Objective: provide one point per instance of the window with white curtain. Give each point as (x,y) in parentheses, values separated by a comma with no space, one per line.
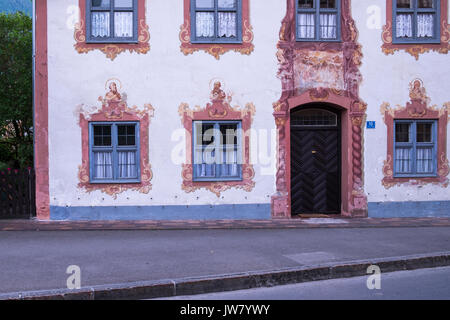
(216,21)
(111,20)
(415,148)
(318,20)
(217,151)
(114,152)
(416,21)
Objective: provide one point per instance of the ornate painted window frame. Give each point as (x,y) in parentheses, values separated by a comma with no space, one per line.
(416,109)
(213,48)
(416,49)
(218,109)
(111,50)
(115,109)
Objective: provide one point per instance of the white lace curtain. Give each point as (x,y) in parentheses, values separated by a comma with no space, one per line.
(403,160)
(123,24)
(103,165)
(100,24)
(328,26)
(205,26)
(127,165)
(205,163)
(227,24)
(424,160)
(425,25)
(306,26)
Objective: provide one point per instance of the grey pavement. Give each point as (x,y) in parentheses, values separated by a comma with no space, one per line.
(38,260)
(422,284)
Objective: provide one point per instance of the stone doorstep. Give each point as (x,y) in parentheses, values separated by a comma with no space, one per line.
(238,281)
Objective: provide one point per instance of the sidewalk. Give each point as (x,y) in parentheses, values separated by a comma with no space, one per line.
(329,222)
(32,261)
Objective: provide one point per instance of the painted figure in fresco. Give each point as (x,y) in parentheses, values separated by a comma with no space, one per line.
(113,95)
(419,99)
(217,93)
(417,92)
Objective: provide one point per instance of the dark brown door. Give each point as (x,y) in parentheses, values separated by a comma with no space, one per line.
(315,167)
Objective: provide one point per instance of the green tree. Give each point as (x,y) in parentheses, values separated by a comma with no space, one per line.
(16,115)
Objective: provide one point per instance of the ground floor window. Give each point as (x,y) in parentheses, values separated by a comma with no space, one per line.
(217,150)
(415,148)
(114,152)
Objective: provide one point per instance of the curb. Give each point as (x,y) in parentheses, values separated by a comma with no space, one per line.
(236,281)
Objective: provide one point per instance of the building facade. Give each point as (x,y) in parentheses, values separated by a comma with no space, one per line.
(241,109)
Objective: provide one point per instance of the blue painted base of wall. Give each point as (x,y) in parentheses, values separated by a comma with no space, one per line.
(409,209)
(206,212)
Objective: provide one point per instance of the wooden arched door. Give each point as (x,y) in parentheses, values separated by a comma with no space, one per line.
(315,161)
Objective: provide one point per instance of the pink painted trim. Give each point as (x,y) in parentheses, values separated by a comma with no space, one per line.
(41,150)
(354,200)
(111,50)
(416,109)
(416,49)
(117,111)
(218,109)
(217,49)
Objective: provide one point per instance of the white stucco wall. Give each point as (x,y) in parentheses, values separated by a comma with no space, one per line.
(165,78)
(386,78)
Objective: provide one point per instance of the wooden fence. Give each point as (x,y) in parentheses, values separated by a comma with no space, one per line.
(17,194)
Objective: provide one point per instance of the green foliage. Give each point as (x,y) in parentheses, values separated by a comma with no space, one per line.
(16,119)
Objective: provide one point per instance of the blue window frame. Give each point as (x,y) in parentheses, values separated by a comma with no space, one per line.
(217,150)
(416,21)
(216,21)
(318,20)
(415,148)
(111,21)
(114,153)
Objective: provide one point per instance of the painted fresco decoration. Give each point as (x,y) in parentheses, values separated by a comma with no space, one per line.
(217,49)
(112,50)
(416,50)
(219,108)
(319,69)
(114,107)
(327,72)
(417,108)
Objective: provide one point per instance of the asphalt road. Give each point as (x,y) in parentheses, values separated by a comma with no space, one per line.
(39,260)
(422,284)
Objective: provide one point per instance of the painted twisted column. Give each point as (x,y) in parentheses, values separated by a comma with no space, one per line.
(359,199)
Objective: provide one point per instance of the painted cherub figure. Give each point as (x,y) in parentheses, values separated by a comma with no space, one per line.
(113,95)
(417,92)
(217,93)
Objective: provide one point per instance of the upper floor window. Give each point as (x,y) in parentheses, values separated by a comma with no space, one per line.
(318,20)
(416,21)
(415,148)
(112,21)
(217,151)
(114,152)
(216,21)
